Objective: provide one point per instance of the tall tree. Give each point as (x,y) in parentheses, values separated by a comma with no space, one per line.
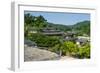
(40,22)
(33,22)
(27,23)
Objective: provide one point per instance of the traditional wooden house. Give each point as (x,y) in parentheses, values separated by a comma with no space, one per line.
(51,32)
(81,40)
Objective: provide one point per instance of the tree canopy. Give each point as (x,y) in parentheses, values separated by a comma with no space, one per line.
(36,22)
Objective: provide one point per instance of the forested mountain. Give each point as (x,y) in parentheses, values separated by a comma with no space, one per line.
(60,26)
(80,27)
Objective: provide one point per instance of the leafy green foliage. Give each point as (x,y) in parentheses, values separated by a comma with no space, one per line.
(84,51)
(67,48)
(40,22)
(71,49)
(33,22)
(43,40)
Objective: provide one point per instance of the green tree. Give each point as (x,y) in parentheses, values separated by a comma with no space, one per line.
(28,18)
(28,22)
(66,48)
(40,22)
(43,40)
(32,22)
(84,51)
(69,48)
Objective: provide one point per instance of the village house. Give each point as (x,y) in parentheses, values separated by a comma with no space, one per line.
(68,36)
(79,40)
(51,32)
(82,39)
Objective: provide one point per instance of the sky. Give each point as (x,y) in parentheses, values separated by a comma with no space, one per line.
(61,18)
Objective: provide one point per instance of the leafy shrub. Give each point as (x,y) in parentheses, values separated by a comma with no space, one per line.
(71,49)
(67,48)
(43,40)
(84,51)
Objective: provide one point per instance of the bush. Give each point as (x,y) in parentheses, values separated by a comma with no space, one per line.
(66,48)
(43,40)
(82,52)
(71,49)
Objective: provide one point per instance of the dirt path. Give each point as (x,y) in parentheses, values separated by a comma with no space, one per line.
(67,58)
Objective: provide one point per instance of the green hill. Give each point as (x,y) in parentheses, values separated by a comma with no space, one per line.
(60,27)
(80,27)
